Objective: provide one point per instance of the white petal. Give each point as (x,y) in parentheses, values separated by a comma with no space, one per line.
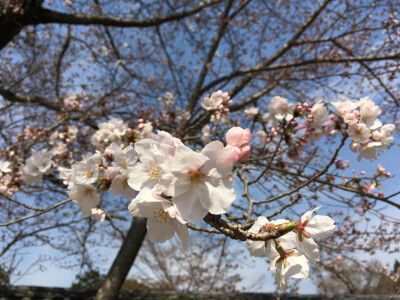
(320,226)
(261,221)
(128,192)
(220,158)
(220,196)
(309,248)
(183,233)
(270,250)
(288,241)
(297,267)
(256,248)
(116,186)
(189,206)
(185,160)
(308,215)
(160,232)
(138,175)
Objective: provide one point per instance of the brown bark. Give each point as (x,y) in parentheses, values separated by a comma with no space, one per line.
(123,262)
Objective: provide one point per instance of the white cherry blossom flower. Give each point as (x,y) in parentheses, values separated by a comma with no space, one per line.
(163,219)
(86,196)
(369,113)
(36,165)
(258,248)
(124,159)
(368,150)
(351,117)
(145,131)
(385,134)
(344,106)
(60,149)
(292,265)
(166,140)
(53,137)
(279,108)
(206,134)
(214,101)
(313,227)
(318,111)
(109,132)
(152,155)
(120,185)
(98,214)
(251,112)
(4,167)
(85,173)
(359,132)
(261,135)
(72,132)
(199,182)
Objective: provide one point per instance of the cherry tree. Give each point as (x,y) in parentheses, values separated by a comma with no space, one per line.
(226,117)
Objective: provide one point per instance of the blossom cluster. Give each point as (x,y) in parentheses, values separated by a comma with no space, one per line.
(38,164)
(173,184)
(361,118)
(109,132)
(218,105)
(73,102)
(364,127)
(291,252)
(60,140)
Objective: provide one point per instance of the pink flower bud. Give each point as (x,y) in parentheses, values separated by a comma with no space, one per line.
(238,137)
(236,151)
(245,154)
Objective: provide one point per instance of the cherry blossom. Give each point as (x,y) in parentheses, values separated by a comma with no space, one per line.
(199,182)
(206,134)
(369,113)
(215,100)
(279,109)
(359,132)
(4,167)
(258,248)
(313,227)
(163,219)
(98,214)
(152,155)
(109,132)
(86,196)
(36,165)
(291,264)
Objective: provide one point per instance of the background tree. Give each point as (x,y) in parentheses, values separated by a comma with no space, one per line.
(81,63)
(349,276)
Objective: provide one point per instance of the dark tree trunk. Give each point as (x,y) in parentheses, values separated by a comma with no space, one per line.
(15,17)
(123,262)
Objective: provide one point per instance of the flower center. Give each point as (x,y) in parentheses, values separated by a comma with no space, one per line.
(88,174)
(196,175)
(160,215)
(301,230)
(153,172)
